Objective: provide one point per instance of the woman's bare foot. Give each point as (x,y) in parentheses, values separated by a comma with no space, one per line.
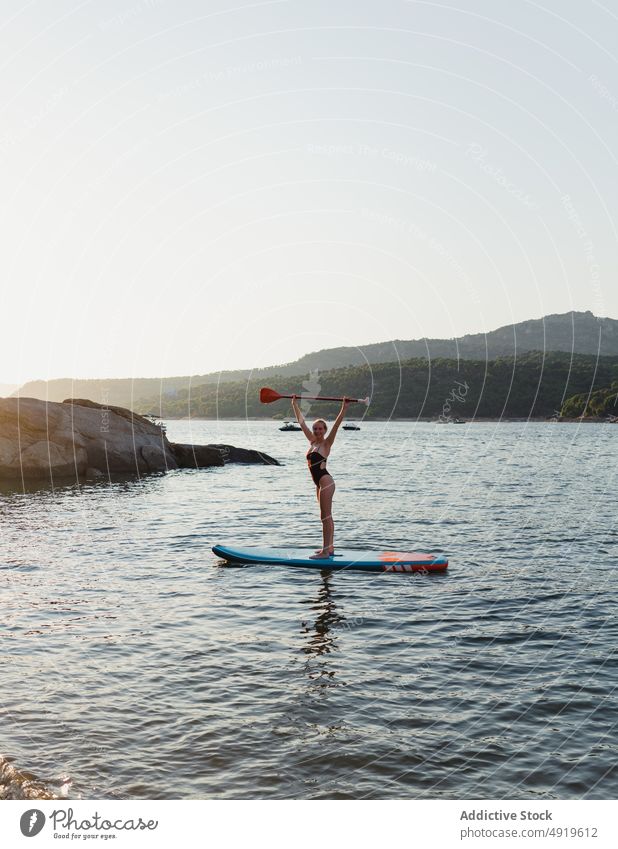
(331,551)
(323,554)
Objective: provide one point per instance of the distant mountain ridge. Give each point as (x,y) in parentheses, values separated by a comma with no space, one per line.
(572,332)
(535,384)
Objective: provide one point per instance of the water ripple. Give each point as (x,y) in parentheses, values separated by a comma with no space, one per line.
(136,666)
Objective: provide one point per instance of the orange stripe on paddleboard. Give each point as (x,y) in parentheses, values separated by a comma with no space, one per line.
(398,556)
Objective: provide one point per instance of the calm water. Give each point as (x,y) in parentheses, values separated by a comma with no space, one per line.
(135,666)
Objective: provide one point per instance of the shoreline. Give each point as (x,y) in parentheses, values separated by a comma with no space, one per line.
(421,419)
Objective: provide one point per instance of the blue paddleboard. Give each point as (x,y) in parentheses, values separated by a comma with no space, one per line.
(366,561)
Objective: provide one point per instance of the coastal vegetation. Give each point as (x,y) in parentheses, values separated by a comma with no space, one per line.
(601,403)
(571,333)
(535,384)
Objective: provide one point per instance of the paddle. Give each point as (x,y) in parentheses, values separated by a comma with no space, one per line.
(267,396)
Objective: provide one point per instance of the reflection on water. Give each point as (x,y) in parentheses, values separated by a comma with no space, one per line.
(135,666)
(321,639)
(324,608)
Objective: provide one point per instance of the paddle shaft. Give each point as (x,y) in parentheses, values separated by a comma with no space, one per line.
(268,395)
(325,398)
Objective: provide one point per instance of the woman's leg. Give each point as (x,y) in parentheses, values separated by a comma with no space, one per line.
(326,492)
(320,550)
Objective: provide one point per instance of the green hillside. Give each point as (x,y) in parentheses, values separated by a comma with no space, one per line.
(578,332)
(601,402)
(531,385)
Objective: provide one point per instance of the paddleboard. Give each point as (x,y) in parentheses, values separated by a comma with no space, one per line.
(365,561)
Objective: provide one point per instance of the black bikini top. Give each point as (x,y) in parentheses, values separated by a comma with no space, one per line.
(315,457)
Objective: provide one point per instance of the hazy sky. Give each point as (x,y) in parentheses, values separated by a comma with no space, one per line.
(192,186)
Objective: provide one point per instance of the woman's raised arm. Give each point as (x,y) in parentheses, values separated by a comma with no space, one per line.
(333,432)
(301,419)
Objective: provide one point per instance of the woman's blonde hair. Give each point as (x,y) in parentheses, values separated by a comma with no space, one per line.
(320,421)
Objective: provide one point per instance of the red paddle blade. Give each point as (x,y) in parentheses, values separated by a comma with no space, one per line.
(267,396)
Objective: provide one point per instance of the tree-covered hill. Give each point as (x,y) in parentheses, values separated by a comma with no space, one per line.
(534,384)
(601,402)
(577,332)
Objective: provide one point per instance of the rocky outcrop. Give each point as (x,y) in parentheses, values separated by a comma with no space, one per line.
(81,439)
(197,456)
(245,455)
(200,456)
(77,439)
(17,784)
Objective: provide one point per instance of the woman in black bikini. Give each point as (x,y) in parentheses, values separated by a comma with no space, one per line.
(319,449)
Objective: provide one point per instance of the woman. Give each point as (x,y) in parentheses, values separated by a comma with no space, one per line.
(319,449)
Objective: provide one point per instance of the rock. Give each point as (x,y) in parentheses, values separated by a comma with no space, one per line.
(8,451)
(202,456)
(129,415)
(245,455)
(76,439)
(196,456)
(155,457)
(62,460)
(16,784)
